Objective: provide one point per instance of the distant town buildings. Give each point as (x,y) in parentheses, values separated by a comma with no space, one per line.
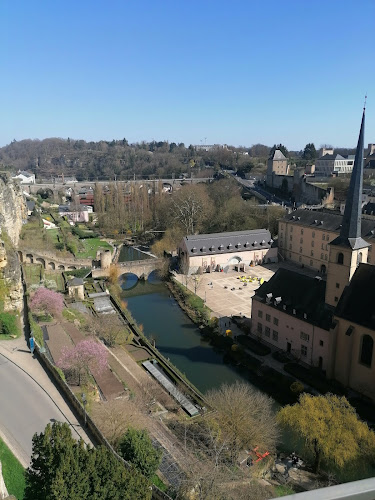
(25,177)
(333,164)
(209,147)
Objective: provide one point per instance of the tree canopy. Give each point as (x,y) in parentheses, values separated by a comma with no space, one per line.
(64,469)
(330,427)
(281,147)
(309,153)
(136,447)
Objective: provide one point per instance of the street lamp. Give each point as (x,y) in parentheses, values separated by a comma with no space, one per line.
(84,402)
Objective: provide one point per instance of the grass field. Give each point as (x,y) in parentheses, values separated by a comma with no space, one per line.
(13,472)
(89,247)
(33,273)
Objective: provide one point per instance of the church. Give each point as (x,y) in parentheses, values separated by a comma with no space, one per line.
(329,324)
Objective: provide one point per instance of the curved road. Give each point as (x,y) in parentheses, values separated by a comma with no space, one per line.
(25,408)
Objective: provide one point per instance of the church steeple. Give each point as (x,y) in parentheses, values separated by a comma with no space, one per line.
(349,249)
(350,233)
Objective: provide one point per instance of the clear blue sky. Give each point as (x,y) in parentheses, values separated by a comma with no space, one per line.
(235,72)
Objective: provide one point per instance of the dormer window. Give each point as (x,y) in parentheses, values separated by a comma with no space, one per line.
(255,243)
(247,244)
(220,247)
(230,246)
(238,245)
(203,249)
(270,242)
(193,250)
(212,248)
(262,242)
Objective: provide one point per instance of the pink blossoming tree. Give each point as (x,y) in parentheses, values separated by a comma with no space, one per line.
(87,356)
(47,301)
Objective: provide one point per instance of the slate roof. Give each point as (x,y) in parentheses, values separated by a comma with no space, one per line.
(369,209)
(332,157)
(30,205)
(357,301)
(300,293)
(75,282)
(232,242)
(326,221)
(278,155)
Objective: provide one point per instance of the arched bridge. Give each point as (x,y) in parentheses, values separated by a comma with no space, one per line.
(51,261)
(141,268)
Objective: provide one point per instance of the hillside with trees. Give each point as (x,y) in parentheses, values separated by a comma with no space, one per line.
(118,159)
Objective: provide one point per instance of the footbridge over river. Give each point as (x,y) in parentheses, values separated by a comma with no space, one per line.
(141,268)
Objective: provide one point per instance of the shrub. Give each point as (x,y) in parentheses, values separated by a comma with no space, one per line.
(8,324)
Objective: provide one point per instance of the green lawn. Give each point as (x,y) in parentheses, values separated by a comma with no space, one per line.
(89,247)
(33,273)
(57,277)
(13,472)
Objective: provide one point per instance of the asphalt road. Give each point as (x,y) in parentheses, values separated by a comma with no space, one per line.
(24,409)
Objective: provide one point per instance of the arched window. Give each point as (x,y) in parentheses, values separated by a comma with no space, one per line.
(366,350)
(340,258)
(359,260)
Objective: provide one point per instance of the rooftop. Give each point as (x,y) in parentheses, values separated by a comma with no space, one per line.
(298,295)
(326,221)
(236,241)
(357,301)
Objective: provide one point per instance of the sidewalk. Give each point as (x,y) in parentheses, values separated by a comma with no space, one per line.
(18,353)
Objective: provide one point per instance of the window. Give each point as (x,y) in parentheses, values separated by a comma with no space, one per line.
(304,336)
(301,231)
(322,246)
(366,350)
(303,350)
(336,299)
(268,317)
(326,257)
(275,335)
(260,313)
(290,237)
(313,243)
(321,343)
(340,258)
(291,229)
(337,285)
(312,253)
(313,234)
(323,237)
(300,249)
(275,321)
(259,328)
(327,237)
(311,263)
(301,240)
(322,256)
(290,247)
(359,260)
(267,331)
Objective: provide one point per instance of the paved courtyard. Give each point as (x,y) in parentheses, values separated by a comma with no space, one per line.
(226,295)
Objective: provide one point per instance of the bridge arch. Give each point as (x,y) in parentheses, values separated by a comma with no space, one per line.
(29,258)
(41,261)
(61,267)
(51,265)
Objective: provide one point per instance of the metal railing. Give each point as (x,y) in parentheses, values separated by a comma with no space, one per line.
(356,490)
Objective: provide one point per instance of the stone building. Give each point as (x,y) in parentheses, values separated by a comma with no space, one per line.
(304,237)
(333,164)
(209,252)
(328,324)
(277,164)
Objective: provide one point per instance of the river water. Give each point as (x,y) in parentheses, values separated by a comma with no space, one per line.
(178,339)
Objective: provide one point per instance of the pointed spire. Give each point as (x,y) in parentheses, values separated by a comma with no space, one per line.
(350,233)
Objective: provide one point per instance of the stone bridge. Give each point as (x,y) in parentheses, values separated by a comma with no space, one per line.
(141,268)
(51,261)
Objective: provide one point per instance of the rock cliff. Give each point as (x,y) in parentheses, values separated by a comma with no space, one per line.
(13,209)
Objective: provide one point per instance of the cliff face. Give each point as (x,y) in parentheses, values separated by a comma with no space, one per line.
(13,211)
(13,208)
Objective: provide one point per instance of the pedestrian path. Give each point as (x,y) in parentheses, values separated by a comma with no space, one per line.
(17,352)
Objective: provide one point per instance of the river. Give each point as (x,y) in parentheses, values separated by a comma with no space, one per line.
(178,339)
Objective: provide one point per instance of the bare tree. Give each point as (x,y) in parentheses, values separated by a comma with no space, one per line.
(245,418)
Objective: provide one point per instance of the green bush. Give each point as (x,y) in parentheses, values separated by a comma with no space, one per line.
(8,324)
(136,447)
